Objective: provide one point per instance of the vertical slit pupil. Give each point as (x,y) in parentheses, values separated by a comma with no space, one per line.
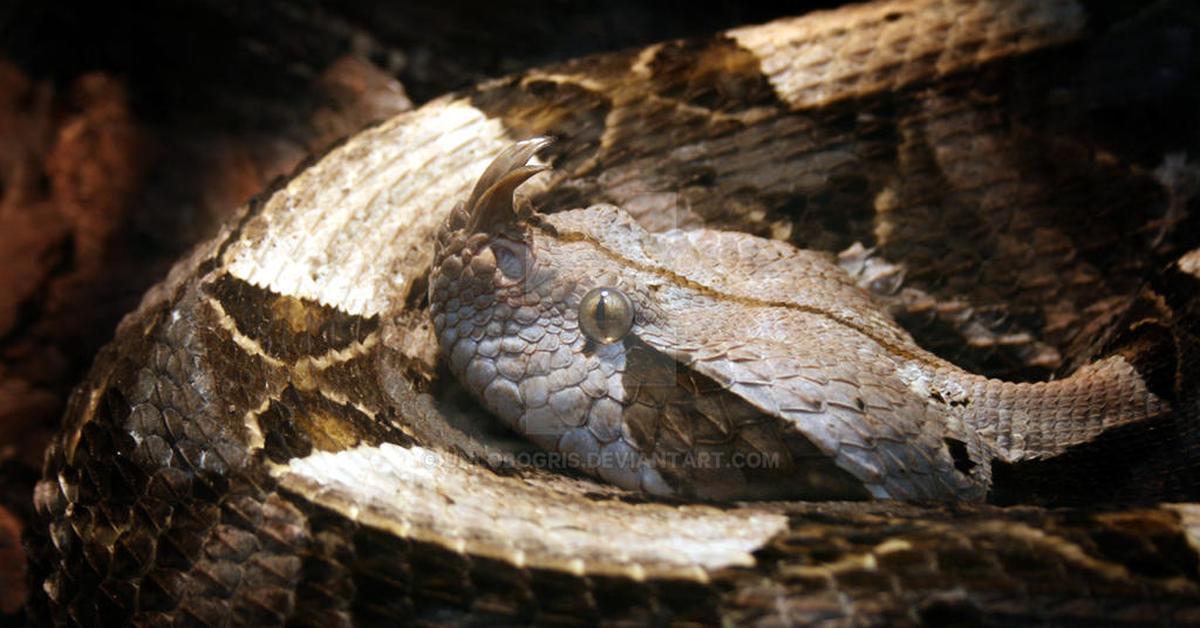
(605,314)
(600,313)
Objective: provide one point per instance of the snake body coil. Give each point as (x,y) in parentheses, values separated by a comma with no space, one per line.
(269,438)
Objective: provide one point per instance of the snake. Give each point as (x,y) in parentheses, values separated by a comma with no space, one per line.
(534,317)
(848,318)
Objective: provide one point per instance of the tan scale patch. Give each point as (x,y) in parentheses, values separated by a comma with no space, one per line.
(339,232)
(1190,263)
(828,56)
(299,318)
(425,495)
(254,433)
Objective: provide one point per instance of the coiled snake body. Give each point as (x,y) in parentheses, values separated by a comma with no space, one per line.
(269,439)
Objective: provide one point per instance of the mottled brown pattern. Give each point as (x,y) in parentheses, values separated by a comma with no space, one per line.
(159,504)
(286,327)
(297,423)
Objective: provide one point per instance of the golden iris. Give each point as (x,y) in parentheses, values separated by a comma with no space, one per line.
(605,314)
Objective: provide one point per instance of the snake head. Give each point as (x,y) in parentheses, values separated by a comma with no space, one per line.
(567,327)
(702,363)
(505,299)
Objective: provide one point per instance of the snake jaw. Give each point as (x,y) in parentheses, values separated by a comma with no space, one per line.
(491,202)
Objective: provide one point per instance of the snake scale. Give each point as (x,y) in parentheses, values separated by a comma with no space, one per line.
(274,436)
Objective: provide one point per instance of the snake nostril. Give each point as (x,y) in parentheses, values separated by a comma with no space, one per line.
(509,260)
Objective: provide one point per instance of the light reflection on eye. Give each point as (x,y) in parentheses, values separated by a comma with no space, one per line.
(605,314)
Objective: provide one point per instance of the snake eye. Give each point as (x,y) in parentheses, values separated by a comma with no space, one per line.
(605,314)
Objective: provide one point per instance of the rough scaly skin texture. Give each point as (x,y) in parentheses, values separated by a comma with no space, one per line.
(808,368)
(269,440)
